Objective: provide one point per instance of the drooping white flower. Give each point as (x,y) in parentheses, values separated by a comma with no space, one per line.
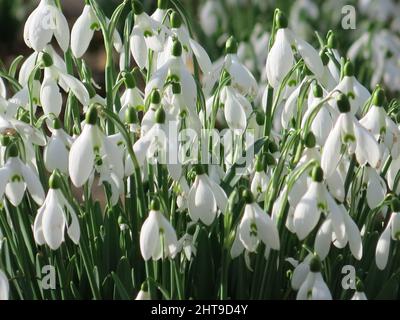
(56,152)
(132,97)
(355,137)
(259,183)
(16,177)
(145,36)
(381,125)
(237,109)
(52,218)
(91,144)
(315,201)
(212,17)
(255,226)
(280,58)
(82,31)
(143,294)
(359,294)
(174,68)
(327,235)
(46,21)
(4,286)
(350,86)
(157,237)
(314,286)
(376,187)
(392,231)
(205,198)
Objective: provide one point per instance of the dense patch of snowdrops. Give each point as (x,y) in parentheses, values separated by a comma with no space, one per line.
(183,211)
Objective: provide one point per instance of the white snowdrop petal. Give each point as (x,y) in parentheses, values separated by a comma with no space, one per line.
(149,236)
(382,249)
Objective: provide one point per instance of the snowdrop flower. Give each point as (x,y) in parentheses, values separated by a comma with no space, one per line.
(300,272)
(52,219)
(323,121)
(316,200)
(314,287)
(145,35)
(354,136)
(3,90)
(392,231)
(44,22)
(376,187)
(326,234)
(205,198)
(4,286)
(350,86)
(92,145)
(49,91)
(255,226)
(237,109)
(157,237)
(241,77)
(381,125)
(16,177)
(359,294)
(56,152)
(174,68)
(132,97)
(260,180)
(83,30)
(190,46)
(143,294)
(280,58)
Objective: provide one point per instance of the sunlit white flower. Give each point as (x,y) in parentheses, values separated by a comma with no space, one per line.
(43,23)
(205,198)
(381,125)
(143,294)
(350,86)
(52,218)
(90,146)
(358,140)
(56,152)
(314,286)
(315,201)
(376,187)
(157,237)
(132,97)
(16,177)
(255,226)
(392,231)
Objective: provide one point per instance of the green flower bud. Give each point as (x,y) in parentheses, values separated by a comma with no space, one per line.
(176,88)
(176,48)
(199,169)
(317,174)
(343,103)
(155,97)
(91,115)
(129,80)
(231,45)
(160,115)
(309,140)
(162,4)
(175,19)
(348,69)
(12,151)
(131,115)
(57,124)
(379,97)
(332,42)
(317,91)
(281,20)
(47,60)
(155,204)
(248,196)
(54,181)
(315,264)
